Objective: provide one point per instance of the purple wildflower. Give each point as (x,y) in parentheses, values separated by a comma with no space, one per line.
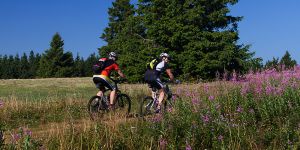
(16,137)
(162,143)
(206,88)
(195,101)
(269,90)
(251,111)
(290,142)
(157,118)
(205,118)
(28,132)
(239,109)
(234,77)
(188,146)
(1,103)
(179,91)
(211,97)
(244,90)
(220,138)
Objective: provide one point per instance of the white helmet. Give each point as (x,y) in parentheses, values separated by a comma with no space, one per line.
(112,54)
(164,55)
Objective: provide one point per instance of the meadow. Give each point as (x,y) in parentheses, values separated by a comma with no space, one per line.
(257,111)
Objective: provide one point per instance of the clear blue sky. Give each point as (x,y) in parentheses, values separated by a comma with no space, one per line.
(270,26)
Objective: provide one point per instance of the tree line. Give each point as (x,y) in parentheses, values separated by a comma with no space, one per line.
(54,62)
(200,36)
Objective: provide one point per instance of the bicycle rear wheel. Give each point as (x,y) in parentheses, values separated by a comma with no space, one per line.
(147,107)
(169,104)
(96,107)
(123,104)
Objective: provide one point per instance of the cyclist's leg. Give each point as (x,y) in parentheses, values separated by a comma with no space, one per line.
(153,89)
(106,82)
(159,85)
(99,84)
(167,91)
(113,88)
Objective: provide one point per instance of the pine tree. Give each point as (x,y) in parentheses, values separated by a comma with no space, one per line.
(272,64)
(24,64)
(66,65)
(201,35)
(51,60)
(34,64)
(126,36)
(90,61)
(16,68)
(287,61)
(1,67)
(5,68)
(118,14)
(79,67)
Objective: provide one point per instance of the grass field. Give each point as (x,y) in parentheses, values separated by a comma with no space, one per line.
(261,112)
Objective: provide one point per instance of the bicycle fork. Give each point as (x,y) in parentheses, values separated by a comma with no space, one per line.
(153,102)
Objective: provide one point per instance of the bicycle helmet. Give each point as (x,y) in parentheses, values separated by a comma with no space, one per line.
(112,54)
(164,55)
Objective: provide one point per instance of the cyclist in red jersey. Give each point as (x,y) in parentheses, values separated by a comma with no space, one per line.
(103,79)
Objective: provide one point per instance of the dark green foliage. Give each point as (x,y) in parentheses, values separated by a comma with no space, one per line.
(273,63)
(287,61)
(200,36)
(33,61)
(90,61)
(79,68)
(123,36)
(255,64)
(54,62)
(24,67)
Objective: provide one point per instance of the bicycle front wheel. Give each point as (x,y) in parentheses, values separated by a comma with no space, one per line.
(123,103)
(96,107)
(169,104)
(147,106)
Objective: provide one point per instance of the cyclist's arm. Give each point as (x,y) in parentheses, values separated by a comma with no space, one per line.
(121,73)
(170,74)
(116,67)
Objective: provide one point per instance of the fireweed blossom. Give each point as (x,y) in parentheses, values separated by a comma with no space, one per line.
(239,109)
(157,118)
(188,146)
(1,103)
(206,88)
(220,138)
(245,89)
(16,137)
(206,118)
(162,143)
(251,111)
(179,91)
(211,97)
(269,90)
(195,101)
(27,132)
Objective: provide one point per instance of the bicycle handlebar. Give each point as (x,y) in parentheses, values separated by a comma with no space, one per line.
(119,80)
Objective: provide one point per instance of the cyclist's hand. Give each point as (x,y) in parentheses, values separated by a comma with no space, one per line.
(122,79)
(177,81)
(174,81)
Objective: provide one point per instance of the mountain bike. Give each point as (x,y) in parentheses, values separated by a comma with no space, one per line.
(149,104)
(99,105)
